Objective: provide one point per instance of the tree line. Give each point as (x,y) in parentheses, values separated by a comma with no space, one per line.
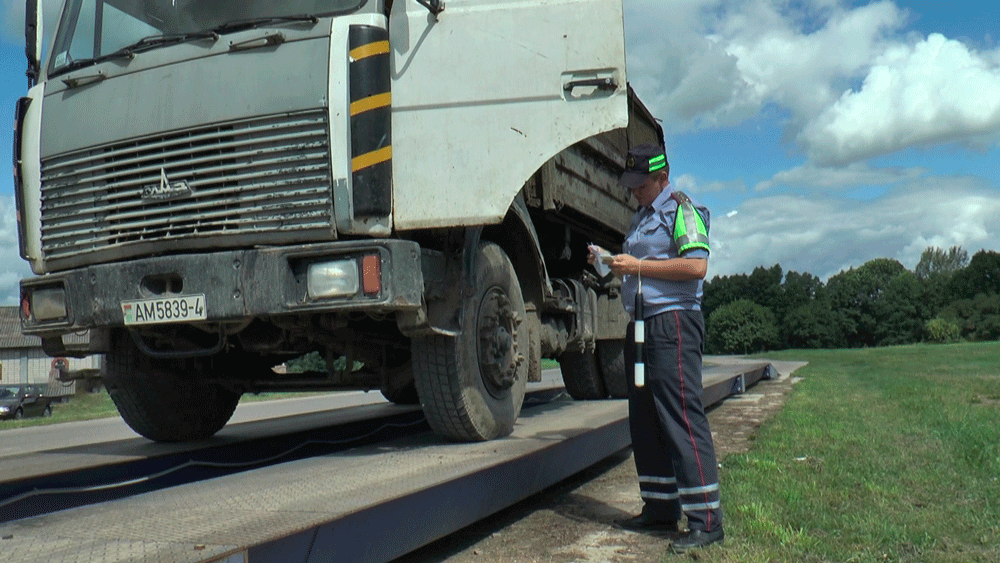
(946,298)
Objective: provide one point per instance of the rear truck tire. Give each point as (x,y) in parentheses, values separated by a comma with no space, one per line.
(400,387)
(161,399)
(472,384)
(47,412)
(581,376)
(18,414)
(611,363)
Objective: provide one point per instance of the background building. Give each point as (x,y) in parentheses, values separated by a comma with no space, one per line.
(22,359)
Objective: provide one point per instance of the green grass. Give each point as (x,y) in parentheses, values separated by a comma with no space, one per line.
(885,454)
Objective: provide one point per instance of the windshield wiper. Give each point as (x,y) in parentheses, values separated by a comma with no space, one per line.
(141,46)
(251,23)
(154,41)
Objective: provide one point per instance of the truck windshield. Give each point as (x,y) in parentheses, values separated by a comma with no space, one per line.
(94,30)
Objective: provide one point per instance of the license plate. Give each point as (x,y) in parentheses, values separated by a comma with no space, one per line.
(176,309)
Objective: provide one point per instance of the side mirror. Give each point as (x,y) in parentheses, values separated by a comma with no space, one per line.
(33,39)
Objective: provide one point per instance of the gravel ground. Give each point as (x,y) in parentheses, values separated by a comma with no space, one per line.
(573,522)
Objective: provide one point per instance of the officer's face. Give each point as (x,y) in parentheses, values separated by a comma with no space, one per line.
(650,189)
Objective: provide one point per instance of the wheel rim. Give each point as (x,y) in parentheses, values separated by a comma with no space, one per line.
(497,332)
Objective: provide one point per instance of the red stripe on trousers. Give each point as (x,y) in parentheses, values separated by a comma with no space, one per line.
(680,371)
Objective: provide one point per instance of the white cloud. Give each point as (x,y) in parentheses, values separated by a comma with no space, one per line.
(936,90)
(849,80)
(681,74)
(703,63)
(824,235)
(812,177)
(689,183)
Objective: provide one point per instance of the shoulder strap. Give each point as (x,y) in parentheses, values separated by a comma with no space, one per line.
(689,227)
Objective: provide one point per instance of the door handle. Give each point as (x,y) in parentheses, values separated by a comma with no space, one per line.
(74,81)
(599,83)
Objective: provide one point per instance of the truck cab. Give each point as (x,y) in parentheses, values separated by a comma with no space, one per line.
(214,187)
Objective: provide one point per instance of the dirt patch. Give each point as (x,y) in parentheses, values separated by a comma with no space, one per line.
(574,522)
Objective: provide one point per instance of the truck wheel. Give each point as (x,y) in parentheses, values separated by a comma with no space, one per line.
(47,412)
(581,376)
(472,385)
(611,362)
(400,388)
(161,399)
(18,414)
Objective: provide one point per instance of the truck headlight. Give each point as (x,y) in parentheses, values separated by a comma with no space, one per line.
(48,304)
(4,409)
(332,279)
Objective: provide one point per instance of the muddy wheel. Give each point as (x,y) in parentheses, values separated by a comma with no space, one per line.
(163,400)
(471,385)
(611,364)
(400,387)
(581,376)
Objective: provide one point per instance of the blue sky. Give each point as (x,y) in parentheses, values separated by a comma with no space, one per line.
(821,133)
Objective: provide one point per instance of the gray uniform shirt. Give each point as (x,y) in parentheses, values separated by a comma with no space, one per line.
(651,237)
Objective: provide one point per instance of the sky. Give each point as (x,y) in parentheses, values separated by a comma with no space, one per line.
(820,133)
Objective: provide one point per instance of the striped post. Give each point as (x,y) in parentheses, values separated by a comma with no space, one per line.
(371,121)
(640,338)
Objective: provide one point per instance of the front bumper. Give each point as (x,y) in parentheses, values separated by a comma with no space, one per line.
(238,285)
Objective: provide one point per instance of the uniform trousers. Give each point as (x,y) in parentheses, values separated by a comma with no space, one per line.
(671,440)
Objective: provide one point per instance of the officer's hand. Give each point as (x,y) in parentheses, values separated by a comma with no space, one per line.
(624,264)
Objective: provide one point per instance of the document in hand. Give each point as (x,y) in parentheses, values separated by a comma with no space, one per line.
(602,258)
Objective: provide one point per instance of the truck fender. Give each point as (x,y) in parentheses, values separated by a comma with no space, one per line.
(446,273)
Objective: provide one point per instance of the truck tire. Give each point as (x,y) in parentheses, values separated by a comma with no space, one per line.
(161,399)
(471,385)
(400,388)
(611,363)
(581,376)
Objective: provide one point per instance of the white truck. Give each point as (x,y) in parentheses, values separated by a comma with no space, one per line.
(408,187)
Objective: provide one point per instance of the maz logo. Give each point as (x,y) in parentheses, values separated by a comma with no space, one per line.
(166,189)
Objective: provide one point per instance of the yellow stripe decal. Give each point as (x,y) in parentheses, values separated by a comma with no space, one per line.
(371,102)
(371,49)
(371,159)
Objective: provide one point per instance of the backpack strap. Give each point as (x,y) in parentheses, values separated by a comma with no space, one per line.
(689,227)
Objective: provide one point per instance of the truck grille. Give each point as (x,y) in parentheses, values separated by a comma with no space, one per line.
(253,178)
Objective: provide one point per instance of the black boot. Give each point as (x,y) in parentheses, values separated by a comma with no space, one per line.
(646,522)
(697,538)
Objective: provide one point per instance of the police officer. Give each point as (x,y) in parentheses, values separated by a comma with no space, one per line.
(663,268)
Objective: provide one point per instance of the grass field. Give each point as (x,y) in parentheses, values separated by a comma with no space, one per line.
(885,454)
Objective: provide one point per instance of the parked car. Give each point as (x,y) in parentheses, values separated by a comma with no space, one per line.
(18,401)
